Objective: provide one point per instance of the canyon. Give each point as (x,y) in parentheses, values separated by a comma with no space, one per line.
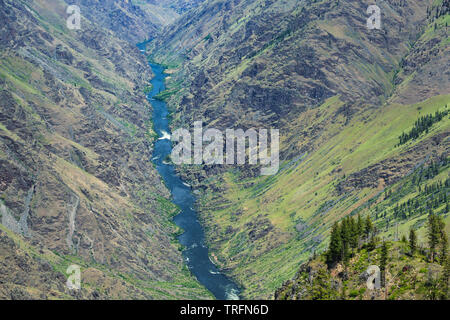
(86,176)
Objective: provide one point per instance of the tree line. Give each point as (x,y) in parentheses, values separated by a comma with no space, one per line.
(429,197)
(351,234)
(348,235)
(423,124)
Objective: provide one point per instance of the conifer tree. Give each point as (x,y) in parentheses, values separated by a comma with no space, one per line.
(354,233)
(360,227)
(383,263)
(335,247)
(346,237)
(368,228)
(321,288)
(444,245)
(433,234)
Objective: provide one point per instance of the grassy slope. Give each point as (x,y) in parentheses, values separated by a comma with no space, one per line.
(25,81)
(304,192)
(297,194)
(95,277)
(407,277)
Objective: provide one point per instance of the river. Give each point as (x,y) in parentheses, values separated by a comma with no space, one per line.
(196,252)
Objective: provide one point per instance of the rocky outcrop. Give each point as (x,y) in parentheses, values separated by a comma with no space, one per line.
(134,21)
(389,171)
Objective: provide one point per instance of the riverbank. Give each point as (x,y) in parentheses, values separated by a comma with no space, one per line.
(193,240)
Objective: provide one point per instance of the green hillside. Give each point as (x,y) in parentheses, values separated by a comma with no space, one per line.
(364,122)
(341,96)
(406,269)
(76,180)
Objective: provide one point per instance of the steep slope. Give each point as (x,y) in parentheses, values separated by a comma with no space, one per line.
(77,184)
(178,6)
(242,66)
(340,94)
(408,277)
(165,12)
(128,21)
(134,20)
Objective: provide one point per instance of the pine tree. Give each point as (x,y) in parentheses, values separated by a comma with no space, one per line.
(404,240)
(383,263)
(354,233)
(360,227)
(368,228)
(433,234)
(321,288)
(437,236)
(444,245)
(335,247)
(346,240)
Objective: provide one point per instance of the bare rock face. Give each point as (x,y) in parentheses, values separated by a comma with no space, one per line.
(128,22)
(134,21)
(179,6)
(77,184)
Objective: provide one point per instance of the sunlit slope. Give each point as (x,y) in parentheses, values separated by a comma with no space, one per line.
(264,231)
(77,185)
(261,64)
(339,156)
